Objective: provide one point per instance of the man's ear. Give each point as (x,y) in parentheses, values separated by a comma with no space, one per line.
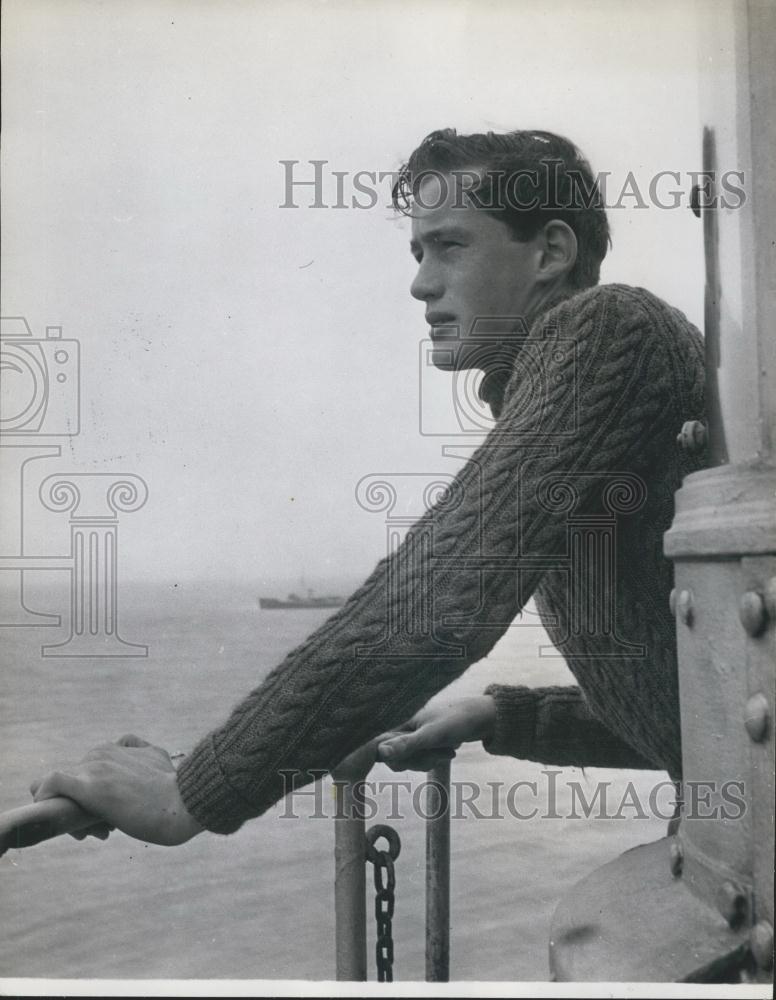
(559,251)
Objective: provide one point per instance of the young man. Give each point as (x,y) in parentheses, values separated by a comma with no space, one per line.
(566,500)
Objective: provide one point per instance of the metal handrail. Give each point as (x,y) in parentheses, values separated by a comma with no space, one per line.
(31,824)
(350,871)
(49,818)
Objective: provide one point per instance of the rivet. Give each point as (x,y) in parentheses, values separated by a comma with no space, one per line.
(692,437)
(751,611)
(677,859)
(756,717)
(761,943)
(732,903)
(672,601)
(684,606)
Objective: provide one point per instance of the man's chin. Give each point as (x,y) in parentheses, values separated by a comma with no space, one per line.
(445,358)
(455,356)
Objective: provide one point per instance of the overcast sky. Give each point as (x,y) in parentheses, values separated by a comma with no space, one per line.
(252,363)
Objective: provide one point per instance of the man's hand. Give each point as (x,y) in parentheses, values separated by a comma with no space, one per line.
(436,732)
(129,785)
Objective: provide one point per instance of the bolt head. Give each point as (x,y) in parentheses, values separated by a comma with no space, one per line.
(684,606)
(692,436)
(751,611)
(761,943)
(756,717)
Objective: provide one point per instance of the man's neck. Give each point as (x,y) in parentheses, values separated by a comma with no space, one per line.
(496,377)
(547,300)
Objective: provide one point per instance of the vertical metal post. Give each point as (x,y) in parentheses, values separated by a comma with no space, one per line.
(349,881)
(438,875)
(349,886)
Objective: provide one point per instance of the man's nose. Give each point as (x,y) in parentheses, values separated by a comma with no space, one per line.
(427,284)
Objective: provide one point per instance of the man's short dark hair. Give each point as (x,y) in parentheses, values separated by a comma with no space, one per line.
(524,178)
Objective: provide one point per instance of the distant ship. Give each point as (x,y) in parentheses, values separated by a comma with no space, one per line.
(294,601)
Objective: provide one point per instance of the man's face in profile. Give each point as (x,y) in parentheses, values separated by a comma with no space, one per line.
(470,268)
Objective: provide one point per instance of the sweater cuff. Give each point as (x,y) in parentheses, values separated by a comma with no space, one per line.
(513,731)
(206,792)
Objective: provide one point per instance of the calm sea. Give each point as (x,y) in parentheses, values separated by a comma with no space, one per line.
(259,904)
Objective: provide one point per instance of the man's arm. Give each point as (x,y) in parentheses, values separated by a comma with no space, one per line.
(444,598)
(326,699)
(553,725)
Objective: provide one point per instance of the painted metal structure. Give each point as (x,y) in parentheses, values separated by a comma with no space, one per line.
(698,906)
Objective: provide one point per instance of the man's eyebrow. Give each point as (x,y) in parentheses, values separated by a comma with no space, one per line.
(449,231)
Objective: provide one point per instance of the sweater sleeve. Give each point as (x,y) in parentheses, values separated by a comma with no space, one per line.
(597,390)
(553,725)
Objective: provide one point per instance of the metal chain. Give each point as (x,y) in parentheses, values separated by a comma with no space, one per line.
(384,904)
(385,884)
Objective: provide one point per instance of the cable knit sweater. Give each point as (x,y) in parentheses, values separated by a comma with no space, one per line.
(566,500)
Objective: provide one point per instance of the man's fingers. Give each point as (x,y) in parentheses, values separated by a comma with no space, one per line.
(100,830)
(392,749)
(56,783)
(130,740)
(406,744)
(426,760)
